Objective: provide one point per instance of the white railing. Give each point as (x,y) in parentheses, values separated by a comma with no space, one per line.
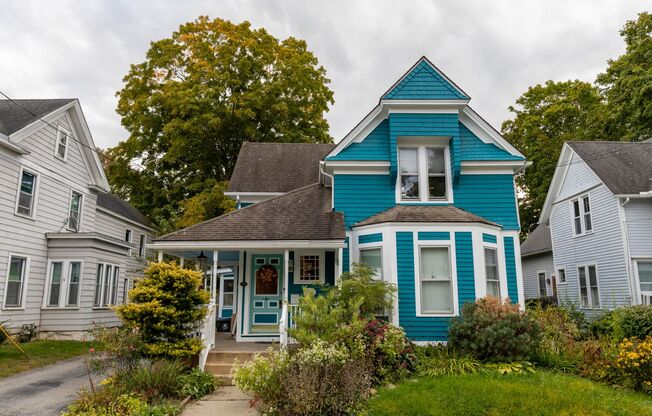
(287,321)
(207,334)
(646,299)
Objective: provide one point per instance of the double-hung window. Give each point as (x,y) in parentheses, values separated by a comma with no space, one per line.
(581,210)
(491,271)
(373,258)
(561,273)
(26,193)
(141,246)
(227,293)
(106,285)
(64,283)
(409,165)
(74,216)
(423,173)
(63,137)
(435,283)
(543,287)
(589,291)
(15,282)
(644,269)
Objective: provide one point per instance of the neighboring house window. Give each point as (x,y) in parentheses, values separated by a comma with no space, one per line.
(589,292)
(491,270)
(106,285)
(141,246)
(128,235)
(26,193)
(62,143)
(74,217)
(435,282)
(562,275)
(423,173)
(227,294)
(15,281)
(310,269)
(74,276)
(373,258)
(543,290)
(645,280)
(56,275)
(581,209)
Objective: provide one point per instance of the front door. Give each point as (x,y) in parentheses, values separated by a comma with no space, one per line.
(265,293)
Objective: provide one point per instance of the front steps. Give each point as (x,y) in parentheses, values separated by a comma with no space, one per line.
(220,363)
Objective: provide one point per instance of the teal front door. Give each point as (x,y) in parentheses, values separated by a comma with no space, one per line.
(265,293)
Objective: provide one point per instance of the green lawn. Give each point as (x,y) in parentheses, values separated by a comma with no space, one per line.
(542,393)
(40,352)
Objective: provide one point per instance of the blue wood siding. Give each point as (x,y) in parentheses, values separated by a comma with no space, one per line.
(361,196)
(465,272)
(434,235)
(424,83)
(370,238)
(472,148)
(489,238)
(510,267)
(329,271)
(489,196)
(374,147)
(345,256)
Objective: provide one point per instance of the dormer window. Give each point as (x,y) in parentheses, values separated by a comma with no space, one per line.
(63,137)
(424,173)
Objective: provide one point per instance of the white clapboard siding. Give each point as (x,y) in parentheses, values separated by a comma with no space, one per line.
(532,265)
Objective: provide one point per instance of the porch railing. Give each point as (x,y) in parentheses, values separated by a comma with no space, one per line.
(288,312)
(646,299)
(207,334)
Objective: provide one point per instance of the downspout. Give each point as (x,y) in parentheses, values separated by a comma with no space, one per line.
(628,258)
(321,170)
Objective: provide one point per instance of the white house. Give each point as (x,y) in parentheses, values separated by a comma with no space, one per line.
(599,210)
(69,250)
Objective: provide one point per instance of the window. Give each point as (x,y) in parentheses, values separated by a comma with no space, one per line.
(141,246)
(15,281)
(491,271)
(436,173)
(408,161)
(310,269)
(581,210)
(589,293)
(435,282)
(26,192)
(74,276)
(543,290)
(56,275)
(645,279)
(227,294)
(562,275)
(64,274)
(75,211)
(423,173)
(106,285)
(62,143)
(128,235)
(373,258)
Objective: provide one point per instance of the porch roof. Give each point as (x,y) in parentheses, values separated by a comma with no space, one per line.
(424,213)
(304,214)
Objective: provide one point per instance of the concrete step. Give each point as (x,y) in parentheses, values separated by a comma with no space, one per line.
(217,357)
(219,369)
(224,380)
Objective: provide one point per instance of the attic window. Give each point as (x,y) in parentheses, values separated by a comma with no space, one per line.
(423,173)
(63,137)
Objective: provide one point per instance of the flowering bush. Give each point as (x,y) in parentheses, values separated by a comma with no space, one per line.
(391,353)
(634,361)
(558,348)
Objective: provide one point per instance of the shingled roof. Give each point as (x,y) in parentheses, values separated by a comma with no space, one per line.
(538,242)
(625,168)
(17,114)
(277,167)
(302,214)
(117,205)
(424,213)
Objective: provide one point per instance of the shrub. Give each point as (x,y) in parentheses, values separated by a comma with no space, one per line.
(557,348)
(197,383)
(122,349)
(152,381)
(389,351)
(604,325)
(598,357)
(364,296)
(27,333)
(444,361)
(491,329)
(634,361)
(166,307)
(122,405)
(633,322)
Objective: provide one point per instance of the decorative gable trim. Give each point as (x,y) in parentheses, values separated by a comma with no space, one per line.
(485,132)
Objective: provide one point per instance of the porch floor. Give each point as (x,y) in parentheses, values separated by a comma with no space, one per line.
(224,343)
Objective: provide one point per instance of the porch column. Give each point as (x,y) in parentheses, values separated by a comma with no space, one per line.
(286,275)
(160,256)
(214,276)
(340,256)
(182,261)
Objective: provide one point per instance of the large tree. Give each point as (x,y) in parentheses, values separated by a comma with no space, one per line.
(195,99)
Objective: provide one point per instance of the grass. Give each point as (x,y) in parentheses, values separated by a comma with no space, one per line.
(40,353)
(541,393)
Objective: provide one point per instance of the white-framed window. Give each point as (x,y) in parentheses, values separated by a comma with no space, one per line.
(587,276)
(74,214)
(424,173)
(309,268)
(435,288)
(373,257)
(64,282)
(16,281)
(227,293)
(128,233)
(141,245)
(561,273)
(644,270)
(106,285)
(491,271)
(63,141)
(581,213)
(543,287)
(26,197)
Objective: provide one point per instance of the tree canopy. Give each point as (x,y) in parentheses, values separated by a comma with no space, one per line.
(192,103)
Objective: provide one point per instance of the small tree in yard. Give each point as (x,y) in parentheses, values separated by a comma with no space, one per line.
(166,306)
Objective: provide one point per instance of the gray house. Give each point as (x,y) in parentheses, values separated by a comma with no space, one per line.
(599,210)
(539,275)
(69,250)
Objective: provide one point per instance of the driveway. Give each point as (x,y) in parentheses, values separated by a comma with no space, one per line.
(44,391)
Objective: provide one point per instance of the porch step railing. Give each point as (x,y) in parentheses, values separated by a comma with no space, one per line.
(288,312)
(646,299)
(207,334)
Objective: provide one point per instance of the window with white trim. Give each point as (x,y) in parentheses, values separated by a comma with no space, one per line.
(128,233)
(543,288)
(26,193)
(581,211)
(423,173)
(15,281)
(562,275)
(64,283)
(373,257)
(589,291)
(141,245)
(435,280)
(63,137)
(106,285)
(227,293)
(74,215)
(309,268)
(491,271)
(644,269)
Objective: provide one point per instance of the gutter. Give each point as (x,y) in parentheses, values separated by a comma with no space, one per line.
(628,257)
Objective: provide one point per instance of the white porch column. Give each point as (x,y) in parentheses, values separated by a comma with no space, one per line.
(286,275)
(160,256)
(182,261)
(340,256)
(214,276)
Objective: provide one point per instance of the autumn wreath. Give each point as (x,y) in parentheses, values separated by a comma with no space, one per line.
(267,274)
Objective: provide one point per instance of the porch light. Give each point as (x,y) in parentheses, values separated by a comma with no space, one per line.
(201,259)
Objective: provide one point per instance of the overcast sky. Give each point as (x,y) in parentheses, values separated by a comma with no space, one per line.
(493,50)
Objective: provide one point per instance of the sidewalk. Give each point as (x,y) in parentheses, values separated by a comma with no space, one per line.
(227,400)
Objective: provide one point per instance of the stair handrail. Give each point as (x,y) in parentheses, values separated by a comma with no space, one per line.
(283,325)
(207,334)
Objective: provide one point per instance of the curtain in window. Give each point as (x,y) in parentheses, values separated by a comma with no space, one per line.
(436,288)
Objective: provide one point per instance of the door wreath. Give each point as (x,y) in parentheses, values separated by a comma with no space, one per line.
(266,280)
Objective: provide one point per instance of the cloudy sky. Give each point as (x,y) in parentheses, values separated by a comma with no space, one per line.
(493,49)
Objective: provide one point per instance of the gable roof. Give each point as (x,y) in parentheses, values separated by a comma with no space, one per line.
(277,167)
(18,114)
(424,81)
(302,214)
(123,208)
(625,168)
(424,213)
(538,242)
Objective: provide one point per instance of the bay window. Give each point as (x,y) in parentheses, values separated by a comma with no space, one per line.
(435,283)
(423,173)
(63,283)
(106,285)
(373,258)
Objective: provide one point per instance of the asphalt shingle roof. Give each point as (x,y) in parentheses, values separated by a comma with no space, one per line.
(277,167)
(625,168)
(423,213)
(117,205)
(16,115)
(302,214)
(538,242)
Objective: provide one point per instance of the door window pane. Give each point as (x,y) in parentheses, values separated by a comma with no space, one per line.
(491,269)
(26,194)
(73,284)
(55,283)
(14,295)
(228,300)
(373,258)
(435,280)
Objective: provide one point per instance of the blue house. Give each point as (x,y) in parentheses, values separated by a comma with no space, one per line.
(422,189)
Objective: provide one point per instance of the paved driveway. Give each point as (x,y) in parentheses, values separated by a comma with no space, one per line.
(43,391)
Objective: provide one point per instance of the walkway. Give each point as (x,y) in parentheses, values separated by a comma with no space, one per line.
(227,400)
(45,391)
